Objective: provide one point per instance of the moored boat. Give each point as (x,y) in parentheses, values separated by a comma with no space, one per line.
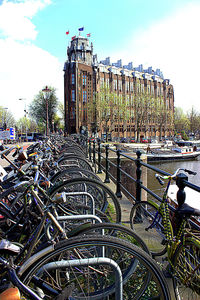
(178,153)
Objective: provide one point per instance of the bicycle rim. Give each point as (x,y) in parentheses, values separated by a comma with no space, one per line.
(186,278)
(142,222)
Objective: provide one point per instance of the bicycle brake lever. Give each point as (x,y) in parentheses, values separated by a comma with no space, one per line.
(190,172)
(159,179)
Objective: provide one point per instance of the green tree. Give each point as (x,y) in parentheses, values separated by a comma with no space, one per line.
(6,118)
(38,109)
(143,112)
(106,109)
(25,124)
(181,121)
(164,116)
(193,120)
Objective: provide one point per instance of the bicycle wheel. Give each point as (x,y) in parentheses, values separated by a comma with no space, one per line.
(69,173)
(142,221)
(105,200)
(186,275)
(52,276)
(74,160)
(115,230)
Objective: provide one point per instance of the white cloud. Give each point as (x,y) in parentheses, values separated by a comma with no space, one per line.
(15,18)
(25,69)
(172,45)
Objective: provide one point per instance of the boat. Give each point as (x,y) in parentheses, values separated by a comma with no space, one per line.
(176,153)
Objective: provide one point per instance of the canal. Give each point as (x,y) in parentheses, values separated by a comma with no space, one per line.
(171,167)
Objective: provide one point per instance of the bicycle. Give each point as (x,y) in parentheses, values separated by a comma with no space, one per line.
(109,269)
(164,233)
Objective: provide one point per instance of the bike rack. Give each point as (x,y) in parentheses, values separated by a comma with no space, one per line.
(81,194)
(90,261)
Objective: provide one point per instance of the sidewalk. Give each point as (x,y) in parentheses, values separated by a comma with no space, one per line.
(3,162)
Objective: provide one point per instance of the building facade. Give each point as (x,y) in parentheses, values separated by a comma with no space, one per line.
(145,99)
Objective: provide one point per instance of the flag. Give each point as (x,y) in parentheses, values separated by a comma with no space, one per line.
(81,29)
(73,37)
(89,34)
(67,32)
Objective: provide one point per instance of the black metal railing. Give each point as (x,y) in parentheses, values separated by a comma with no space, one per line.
(99,156)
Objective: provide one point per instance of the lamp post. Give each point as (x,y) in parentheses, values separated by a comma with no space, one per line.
(46,93)
(4,118)
(25,112)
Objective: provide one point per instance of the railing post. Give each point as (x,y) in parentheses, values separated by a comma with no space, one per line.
(99,171)
(138,177)
(181,185)
(94,158)
(90,151)
(118,191)
(107,180)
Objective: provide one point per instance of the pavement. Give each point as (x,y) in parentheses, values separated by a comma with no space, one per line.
(4,162)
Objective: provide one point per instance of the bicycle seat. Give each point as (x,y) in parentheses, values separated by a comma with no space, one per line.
(9,247)
(187,210)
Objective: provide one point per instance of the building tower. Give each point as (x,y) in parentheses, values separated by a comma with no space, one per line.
(78,83)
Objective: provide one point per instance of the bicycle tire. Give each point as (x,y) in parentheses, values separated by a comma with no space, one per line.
(141,217)
(100,286)
(68,160)
(186,262)
(109,204)
(116,230)
(69,173)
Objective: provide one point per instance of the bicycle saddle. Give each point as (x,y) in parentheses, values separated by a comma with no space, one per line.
(187,210)
(9,247)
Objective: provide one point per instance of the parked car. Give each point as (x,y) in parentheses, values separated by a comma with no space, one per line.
(143,140)
(132,140)
(123,140)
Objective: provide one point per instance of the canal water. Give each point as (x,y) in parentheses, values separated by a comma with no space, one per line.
(171,167)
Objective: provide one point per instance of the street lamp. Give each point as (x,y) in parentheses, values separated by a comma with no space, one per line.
(46,93)
(25,112)
(4,118)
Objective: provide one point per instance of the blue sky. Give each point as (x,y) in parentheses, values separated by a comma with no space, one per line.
(33,43)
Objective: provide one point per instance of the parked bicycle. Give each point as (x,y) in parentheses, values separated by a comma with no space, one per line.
(169,233)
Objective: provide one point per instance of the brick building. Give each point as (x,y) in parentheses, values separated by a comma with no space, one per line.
(83,79)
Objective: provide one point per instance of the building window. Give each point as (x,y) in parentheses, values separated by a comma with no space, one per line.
(73,95)
(131,86)
(120,85)
(101,81)
(84,96)
(127,100)
(132,102)
(115,84)
(152,90)
(84,80)
(116,128)
(127,86)
(73,79)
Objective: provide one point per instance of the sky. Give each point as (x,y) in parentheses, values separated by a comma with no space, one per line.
(33,43)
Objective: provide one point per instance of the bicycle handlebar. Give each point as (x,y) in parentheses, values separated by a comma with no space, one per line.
(159,177)
(7,150)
